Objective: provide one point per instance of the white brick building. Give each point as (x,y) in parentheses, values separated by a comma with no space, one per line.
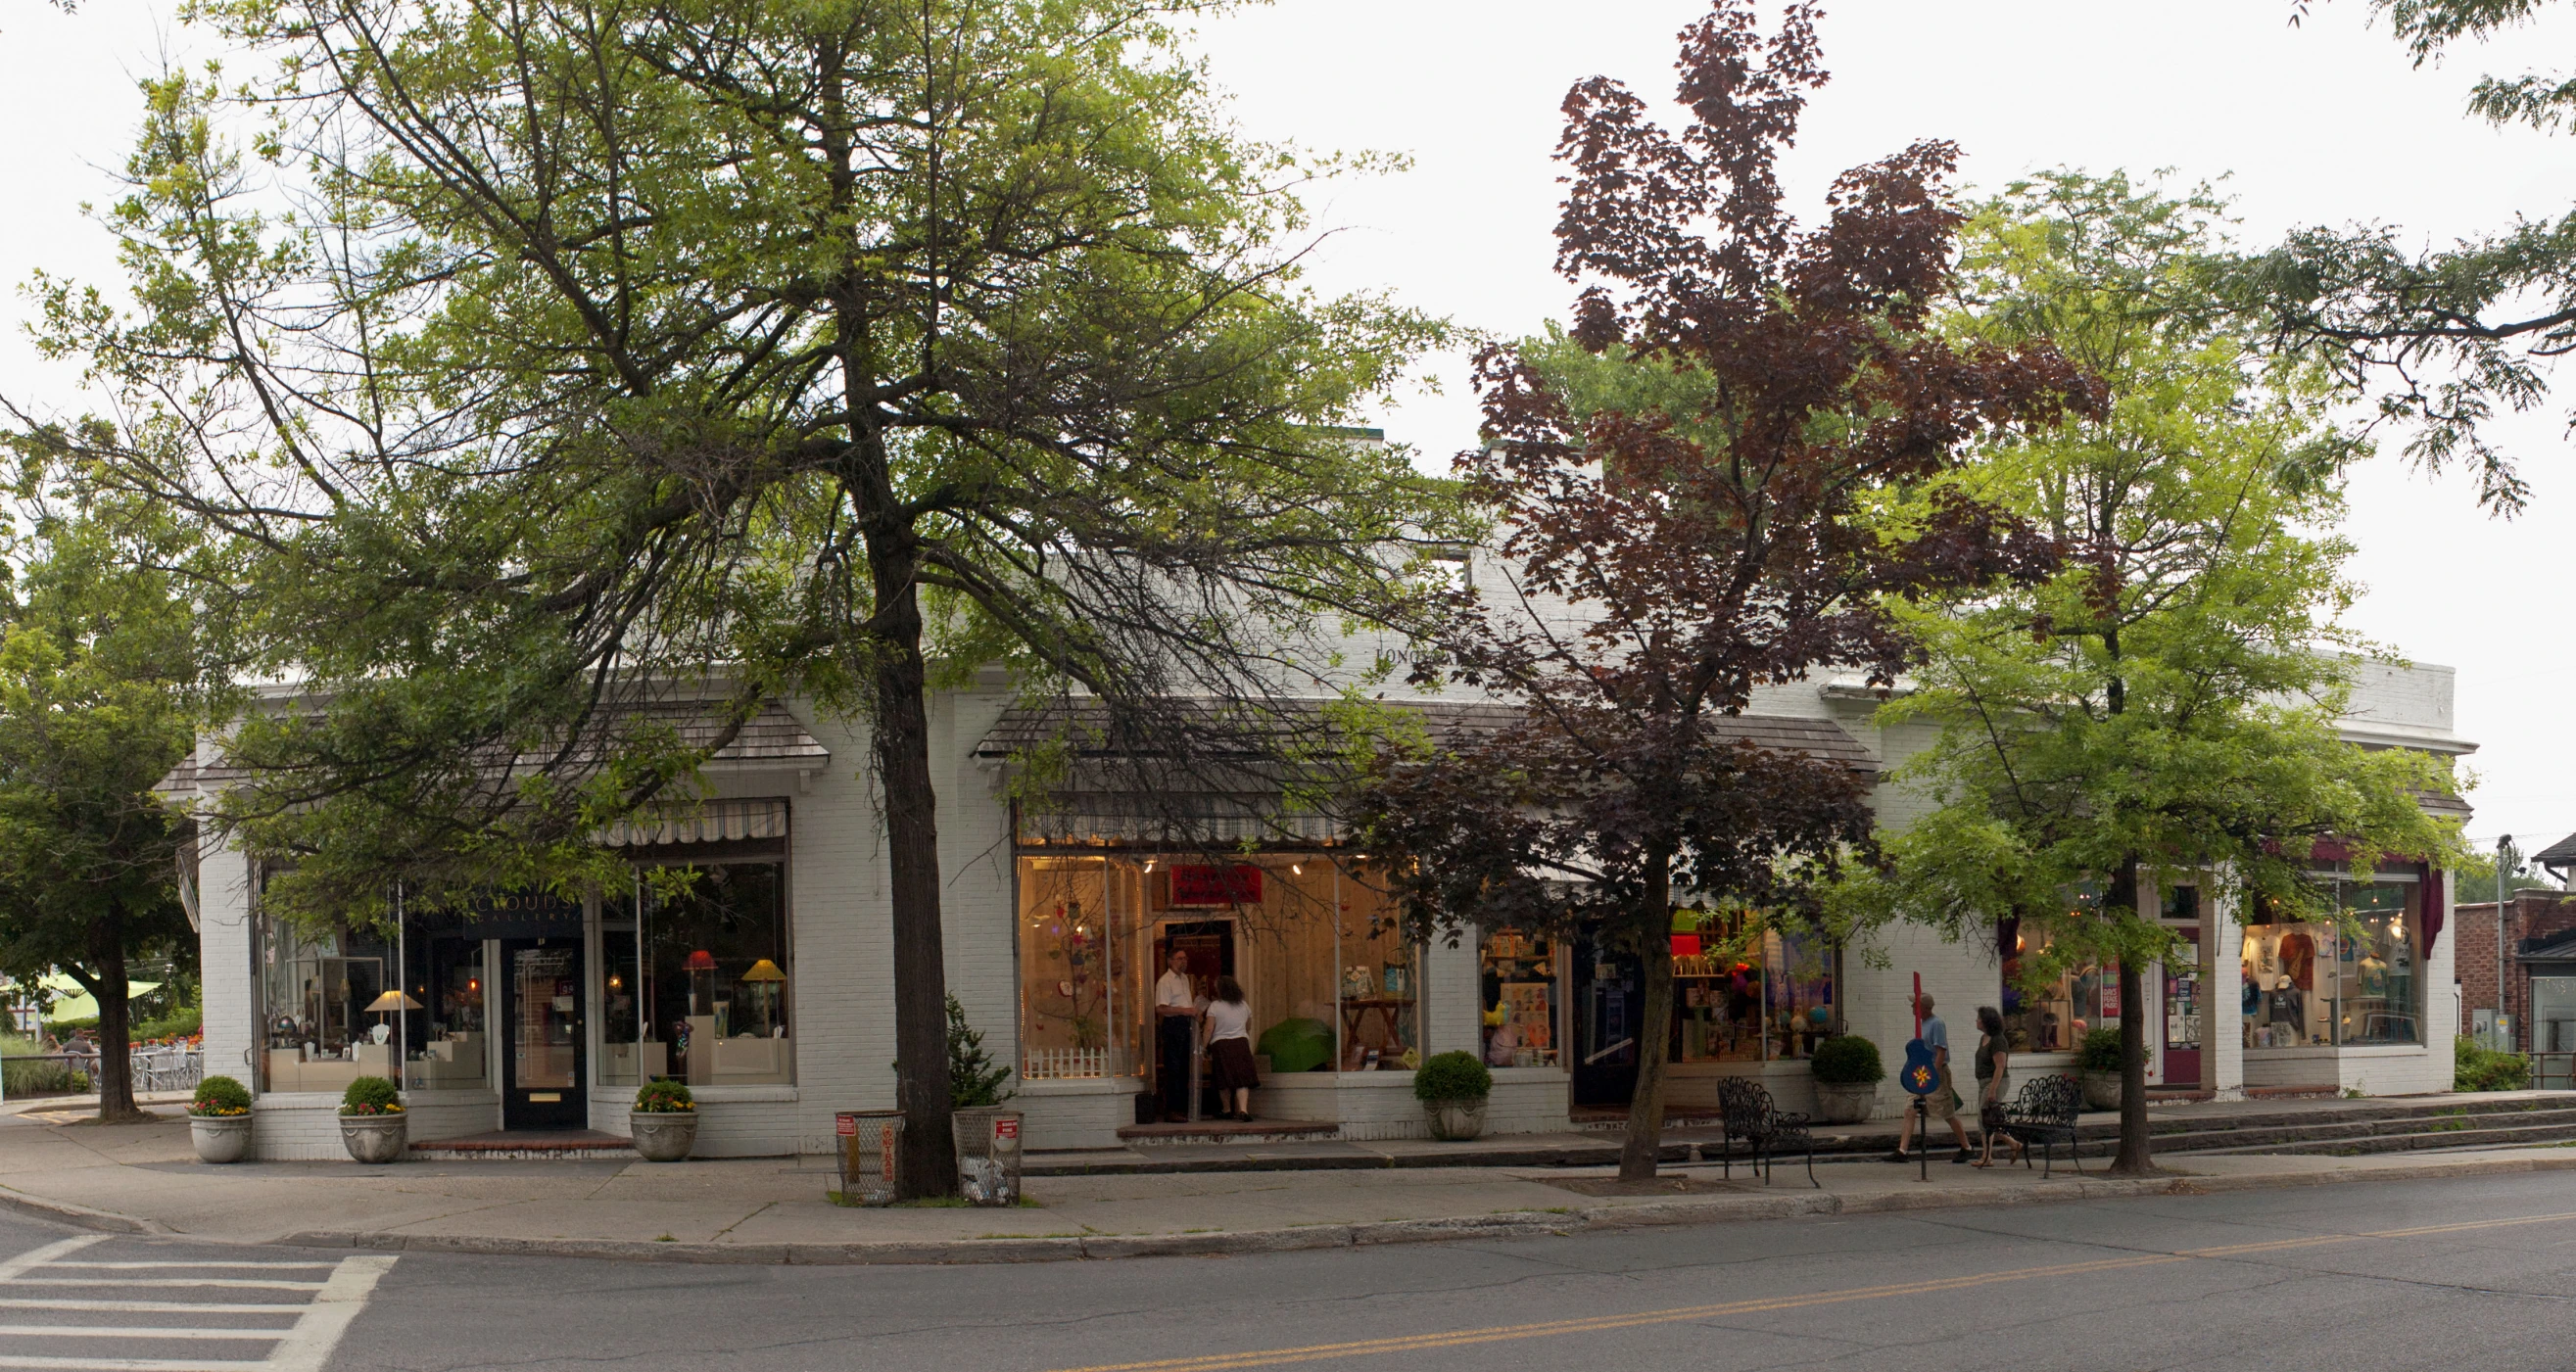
(769,989)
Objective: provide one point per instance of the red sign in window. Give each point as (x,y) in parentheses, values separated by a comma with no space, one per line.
(1239,884)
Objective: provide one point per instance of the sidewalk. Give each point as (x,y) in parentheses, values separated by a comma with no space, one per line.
(143,1178)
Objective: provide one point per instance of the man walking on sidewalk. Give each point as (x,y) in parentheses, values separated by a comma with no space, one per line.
(1944,1101)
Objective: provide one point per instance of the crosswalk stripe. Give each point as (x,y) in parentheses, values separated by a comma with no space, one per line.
(308,1347)
(38,1257)
(146,1266)
(134,1331)
(231,1283)
(303,1345)
(158,1307)
(129,1362)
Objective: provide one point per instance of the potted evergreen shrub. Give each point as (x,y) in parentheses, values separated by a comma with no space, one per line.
(664,1121)
(2097,1068)
(372,1124)
(1847,1072)
(219,1120)
(1452,1088)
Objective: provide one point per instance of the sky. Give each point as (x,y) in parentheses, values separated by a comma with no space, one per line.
(2325,123)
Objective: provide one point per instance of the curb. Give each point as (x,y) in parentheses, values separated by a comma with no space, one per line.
(64,1212)
(1510,1225)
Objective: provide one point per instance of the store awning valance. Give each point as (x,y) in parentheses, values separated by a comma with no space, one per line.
(715,821)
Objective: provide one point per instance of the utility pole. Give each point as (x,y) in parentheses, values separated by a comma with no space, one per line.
(2506,861)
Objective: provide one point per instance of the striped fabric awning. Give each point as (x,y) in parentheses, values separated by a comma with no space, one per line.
(713,821)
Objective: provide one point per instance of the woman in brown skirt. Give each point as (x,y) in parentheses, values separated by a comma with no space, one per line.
(1229,1049)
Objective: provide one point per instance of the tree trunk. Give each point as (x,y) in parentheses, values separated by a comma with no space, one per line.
(1640,1154)
(115,1032)
(901,721)
(2133,1159)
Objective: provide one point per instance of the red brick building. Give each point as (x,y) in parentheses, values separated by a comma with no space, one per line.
(2539,940)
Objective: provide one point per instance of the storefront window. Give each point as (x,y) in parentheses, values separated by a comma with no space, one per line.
(2054,1016)
(447,1049)
(715,979)
(1068,971)
(1327,975)
(1517,991)
(1745,992)
(317,1033)
(2310,983)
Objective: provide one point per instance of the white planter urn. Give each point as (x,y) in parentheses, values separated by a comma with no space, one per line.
(664,1135)
(1454,1120)
(375,1138)
(2101,1089)
(220,1138)
(1845,1102)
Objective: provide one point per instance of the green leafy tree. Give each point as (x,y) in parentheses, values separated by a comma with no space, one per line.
(2164,708)
(611,354)
(2443,339)
(97,674)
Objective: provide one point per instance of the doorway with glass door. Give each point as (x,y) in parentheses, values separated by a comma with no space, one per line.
(541,1050)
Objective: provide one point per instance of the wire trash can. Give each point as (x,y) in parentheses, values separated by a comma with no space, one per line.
(988,1154)
(871,1152)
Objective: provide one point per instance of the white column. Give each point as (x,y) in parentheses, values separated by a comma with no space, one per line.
(2222,1033)
(227,964)
(1451,996)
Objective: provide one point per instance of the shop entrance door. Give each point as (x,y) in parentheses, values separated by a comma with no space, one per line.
(541,1047)
(2182,1006)
(1608,989)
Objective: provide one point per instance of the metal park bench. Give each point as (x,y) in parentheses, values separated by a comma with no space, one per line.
(1748,1114)
(2043,1116)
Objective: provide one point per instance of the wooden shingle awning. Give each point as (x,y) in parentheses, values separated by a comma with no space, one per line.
(770,738)
(1224,794)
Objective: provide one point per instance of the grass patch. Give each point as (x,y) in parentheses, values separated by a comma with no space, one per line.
(664,1238)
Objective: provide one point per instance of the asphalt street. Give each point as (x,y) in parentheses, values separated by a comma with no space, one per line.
(2474,1272)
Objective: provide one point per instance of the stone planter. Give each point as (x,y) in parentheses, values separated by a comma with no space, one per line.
(375,1138)
(220,1138)
(1845,1102)
(2101,1089)
(1454,1120)
(664,1135)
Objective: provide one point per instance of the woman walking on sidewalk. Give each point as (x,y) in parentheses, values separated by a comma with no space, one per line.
(1993,1052)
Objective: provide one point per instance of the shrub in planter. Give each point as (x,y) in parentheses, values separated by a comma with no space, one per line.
(664,1122)
(219,1120)
(372,1125)
(1452,1088)
(1847,1072)
(2097,1068)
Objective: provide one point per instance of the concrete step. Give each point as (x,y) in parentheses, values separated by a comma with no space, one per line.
(2516,1136)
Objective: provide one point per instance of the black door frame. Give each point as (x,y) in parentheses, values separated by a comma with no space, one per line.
(528,1108)
(1598,1077)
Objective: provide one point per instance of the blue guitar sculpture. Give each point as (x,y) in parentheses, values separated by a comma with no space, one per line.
(1921,1074)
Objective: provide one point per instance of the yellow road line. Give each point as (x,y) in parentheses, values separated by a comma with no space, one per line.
(1409,1343)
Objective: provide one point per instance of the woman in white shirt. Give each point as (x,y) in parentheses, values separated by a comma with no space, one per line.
(1229,1048)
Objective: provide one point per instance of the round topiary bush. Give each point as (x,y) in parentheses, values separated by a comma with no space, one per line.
(1847,1060)
(2100,1051)
(663,1097)
(220,1097)
(371,1096)
(1452,1076)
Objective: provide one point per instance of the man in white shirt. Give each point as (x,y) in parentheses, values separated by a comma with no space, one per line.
(1176,1012)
